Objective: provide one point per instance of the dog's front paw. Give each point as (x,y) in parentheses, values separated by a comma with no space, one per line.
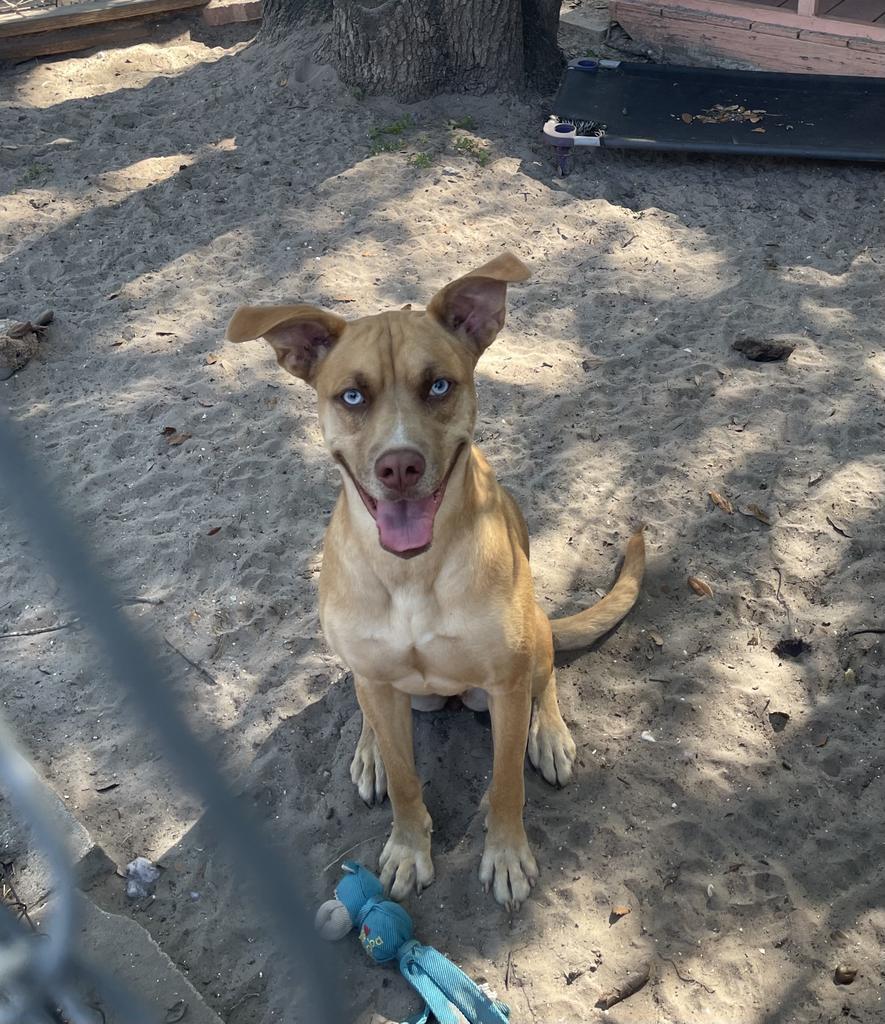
(551,749)
(405,861)
(509,869)
(367,769)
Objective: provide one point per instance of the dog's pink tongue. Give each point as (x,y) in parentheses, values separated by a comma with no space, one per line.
(405,525)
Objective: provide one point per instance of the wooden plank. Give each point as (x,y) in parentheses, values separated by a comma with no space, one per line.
(773,3)
(824,37)
(864,12)
(92,13)
(69,40)
(809,8)
(775,30)
(229,12)
(870,45)
(765,50)
(708,11)
(770,15)
(723,7)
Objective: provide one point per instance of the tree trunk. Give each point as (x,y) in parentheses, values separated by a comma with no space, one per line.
(544,61)
(412,49)
(280,17)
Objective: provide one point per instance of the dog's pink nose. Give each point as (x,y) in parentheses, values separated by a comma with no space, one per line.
(401,469)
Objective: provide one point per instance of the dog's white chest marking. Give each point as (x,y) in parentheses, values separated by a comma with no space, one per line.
(414,620)
(414,643)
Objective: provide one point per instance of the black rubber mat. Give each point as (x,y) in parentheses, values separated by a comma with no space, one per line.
(706,110)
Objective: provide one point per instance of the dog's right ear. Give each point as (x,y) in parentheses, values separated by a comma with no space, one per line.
(301,336)
(473,307)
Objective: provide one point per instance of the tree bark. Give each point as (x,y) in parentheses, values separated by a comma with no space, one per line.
(412,49)
(392,47)
(544,61)
(280,17)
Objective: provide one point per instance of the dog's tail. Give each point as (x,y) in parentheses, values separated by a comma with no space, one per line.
(579,631)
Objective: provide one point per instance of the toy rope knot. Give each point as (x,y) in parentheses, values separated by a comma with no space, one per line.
(385,932)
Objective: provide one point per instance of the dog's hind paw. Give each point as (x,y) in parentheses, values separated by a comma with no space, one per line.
(367,769)
(551,749)
(509,870)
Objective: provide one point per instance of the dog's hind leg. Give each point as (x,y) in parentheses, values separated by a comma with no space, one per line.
(551,748)
(367,769)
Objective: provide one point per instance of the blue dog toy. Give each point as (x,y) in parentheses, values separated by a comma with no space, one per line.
(385,931)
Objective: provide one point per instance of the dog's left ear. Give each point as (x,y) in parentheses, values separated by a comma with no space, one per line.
(473,307)
(301,336)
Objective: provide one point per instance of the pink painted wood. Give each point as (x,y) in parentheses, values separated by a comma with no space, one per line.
(758,16)
(865,12)
(769,37)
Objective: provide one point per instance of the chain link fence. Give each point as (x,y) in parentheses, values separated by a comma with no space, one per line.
(42,974)
(21,6)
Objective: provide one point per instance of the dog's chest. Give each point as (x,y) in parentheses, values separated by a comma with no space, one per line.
(415,641)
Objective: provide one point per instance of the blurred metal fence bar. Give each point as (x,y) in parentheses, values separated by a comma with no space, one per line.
(277,890)
(29,969)
(38,973)
(20,6)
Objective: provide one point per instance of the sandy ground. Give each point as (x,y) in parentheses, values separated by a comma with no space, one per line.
(147,191)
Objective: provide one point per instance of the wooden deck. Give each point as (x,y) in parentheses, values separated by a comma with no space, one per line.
(840,37)
(861,12)
(96,23)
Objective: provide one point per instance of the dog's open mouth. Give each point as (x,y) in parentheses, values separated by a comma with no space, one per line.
(405,528)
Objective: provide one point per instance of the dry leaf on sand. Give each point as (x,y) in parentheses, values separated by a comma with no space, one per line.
(721,501)
(700,587)
(754,512)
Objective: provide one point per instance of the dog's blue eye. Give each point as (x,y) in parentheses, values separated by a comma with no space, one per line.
(352,397)
(440,387)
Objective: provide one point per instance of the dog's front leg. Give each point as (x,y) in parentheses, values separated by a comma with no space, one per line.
(405,860)
(508,866)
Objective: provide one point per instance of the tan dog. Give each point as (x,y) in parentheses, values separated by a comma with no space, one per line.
(426,590)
